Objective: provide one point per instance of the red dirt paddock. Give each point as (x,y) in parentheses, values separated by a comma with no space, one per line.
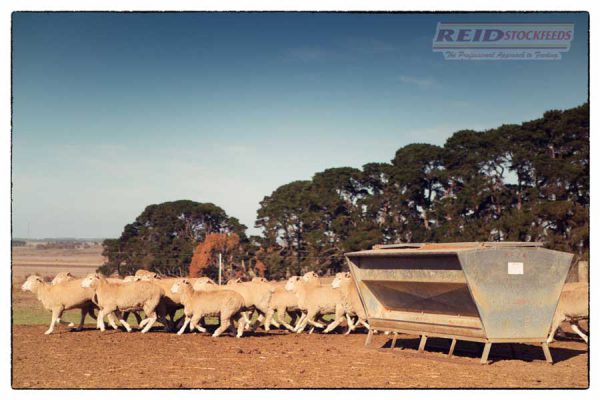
(115,359)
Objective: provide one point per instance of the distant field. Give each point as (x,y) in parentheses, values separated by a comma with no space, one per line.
(29,259)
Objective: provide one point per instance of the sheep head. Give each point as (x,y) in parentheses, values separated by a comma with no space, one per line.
(144,273)
(309,276)
(234,281)
(91,280)
(62,277)
(340,277)
(292,283)
(204,283)
(177,286)
(31,283)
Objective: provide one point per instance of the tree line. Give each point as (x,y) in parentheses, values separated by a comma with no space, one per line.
(525,182)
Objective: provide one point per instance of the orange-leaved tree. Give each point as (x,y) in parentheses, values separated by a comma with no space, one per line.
(205,258)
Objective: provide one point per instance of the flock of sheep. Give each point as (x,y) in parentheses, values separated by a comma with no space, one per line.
(304,298)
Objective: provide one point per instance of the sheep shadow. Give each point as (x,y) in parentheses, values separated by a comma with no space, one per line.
(498,352)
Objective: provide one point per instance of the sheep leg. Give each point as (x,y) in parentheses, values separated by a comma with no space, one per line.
(185,324)
(55,315)
(195,323)
(281,317)
(310,318)
(296,316)
(364,323)
(123,320)
(339,317)
(299,321)
(90,311)
(225,322)
(576,329)
(301,324)
(100,321)
(269,320)
(152,319)
(258,322)
(60,321)
(246,319)
(200,328)
(111,321)
(84,312)
(555,324)
(350,323)
(240,327)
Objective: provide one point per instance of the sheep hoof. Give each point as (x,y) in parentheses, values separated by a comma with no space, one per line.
(71,325)
(48,332)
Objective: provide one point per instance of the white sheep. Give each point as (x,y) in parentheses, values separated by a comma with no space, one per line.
(133,296)
(62,277)
(314,300)
(572,306)
(227,304)
(256,295)
(283,301)
(66,295)
(353,307)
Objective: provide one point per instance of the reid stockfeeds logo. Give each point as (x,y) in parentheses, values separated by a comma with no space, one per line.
(489,41)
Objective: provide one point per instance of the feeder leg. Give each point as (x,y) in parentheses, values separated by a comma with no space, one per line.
(486,353)
(394,340)
(452,346)
(422,343)
(369,337)
(547,352)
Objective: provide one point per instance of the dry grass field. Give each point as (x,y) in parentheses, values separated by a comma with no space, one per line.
(31,259)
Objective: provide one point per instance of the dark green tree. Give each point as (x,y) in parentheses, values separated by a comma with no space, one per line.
(162,238)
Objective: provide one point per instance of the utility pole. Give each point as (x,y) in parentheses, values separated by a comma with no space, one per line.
(220,267)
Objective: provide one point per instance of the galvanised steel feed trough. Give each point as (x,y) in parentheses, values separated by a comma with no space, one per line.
(489,292)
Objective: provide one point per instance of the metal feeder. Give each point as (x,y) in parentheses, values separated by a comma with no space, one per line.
(488,292)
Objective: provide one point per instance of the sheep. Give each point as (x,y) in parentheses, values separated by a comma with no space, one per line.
(282,301)
(315,300)
(351,302)
(572,306)
(227,304)
(256,295)
(133,296)
(120,281)
(66,295)
(62,277)
(172,301)
(145,273)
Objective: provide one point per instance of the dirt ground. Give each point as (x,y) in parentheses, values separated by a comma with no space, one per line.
(115,359)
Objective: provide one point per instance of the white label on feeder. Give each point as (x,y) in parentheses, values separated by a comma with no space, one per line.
(515,268)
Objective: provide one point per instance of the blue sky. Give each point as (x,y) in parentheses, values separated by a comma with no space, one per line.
(113,112)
